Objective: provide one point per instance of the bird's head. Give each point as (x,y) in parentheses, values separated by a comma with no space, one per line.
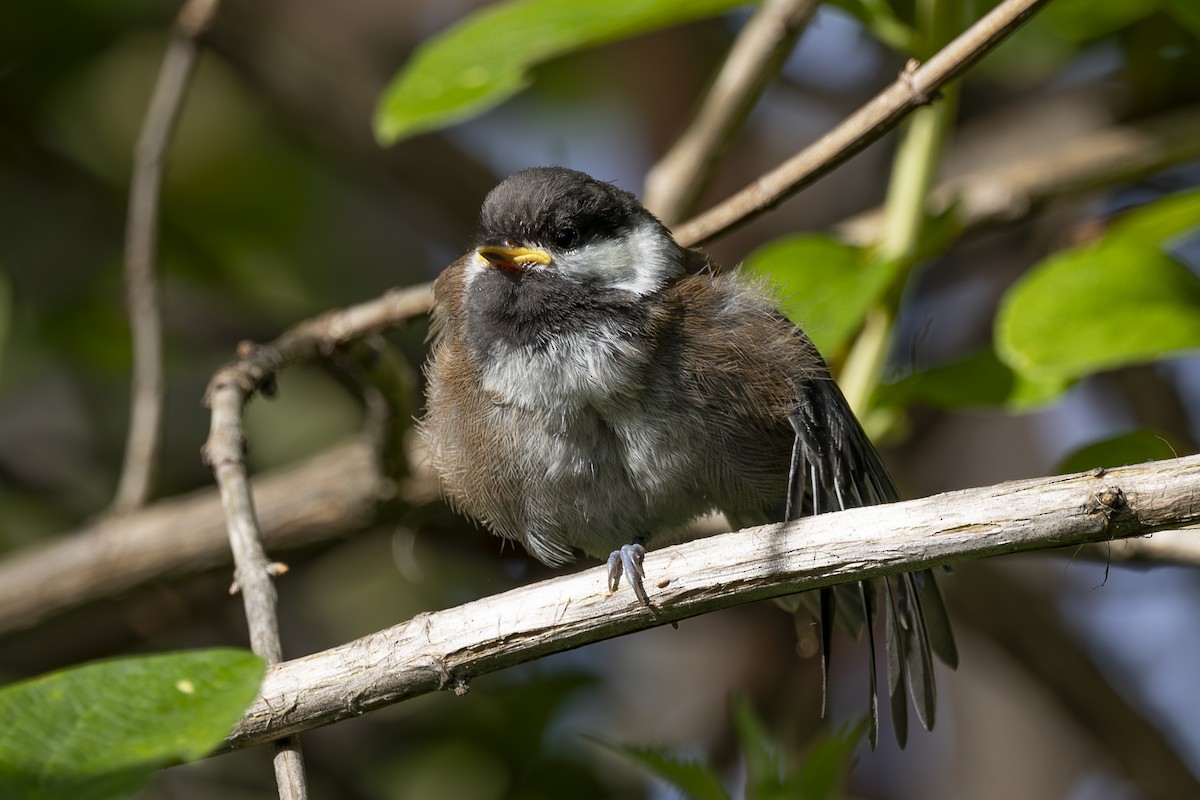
(569,227)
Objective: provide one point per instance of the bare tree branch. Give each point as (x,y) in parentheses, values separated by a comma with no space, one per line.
(1010,191)
(335,492)
(148,390)
(224,451)
(253,573)
(446,649)
(917,86)
(674,184)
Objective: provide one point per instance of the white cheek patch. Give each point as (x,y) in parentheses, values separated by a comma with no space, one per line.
(640,262)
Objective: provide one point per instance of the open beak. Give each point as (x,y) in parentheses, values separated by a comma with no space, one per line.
(507,257)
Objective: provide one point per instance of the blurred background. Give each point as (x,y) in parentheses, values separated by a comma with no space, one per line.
(1077,678)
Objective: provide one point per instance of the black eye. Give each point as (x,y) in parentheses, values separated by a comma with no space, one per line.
(566,238)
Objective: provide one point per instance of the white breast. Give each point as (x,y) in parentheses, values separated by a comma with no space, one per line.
(595,368)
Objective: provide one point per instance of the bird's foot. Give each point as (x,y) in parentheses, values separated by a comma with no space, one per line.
(628,561)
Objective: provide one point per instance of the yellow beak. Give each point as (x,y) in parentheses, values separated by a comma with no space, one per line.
(505,257)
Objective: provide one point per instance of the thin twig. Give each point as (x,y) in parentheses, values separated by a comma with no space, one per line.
(224,451)
(253,573)
(148,386)
(917,86)
(447,649)
(323,333)
(914,165)
(674,184)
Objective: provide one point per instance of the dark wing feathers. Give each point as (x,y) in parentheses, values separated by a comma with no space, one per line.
(828,612)
(920,661)
(835,466)
(896,658)
(937,622)
(866,591)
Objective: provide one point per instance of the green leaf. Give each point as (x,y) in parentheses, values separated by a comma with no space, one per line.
(1087,20)
(100,730)
(487,57)
(978,381)
(827,764)
(696,780)
(1135,447)
(764,765)
(826,286)
(1158,222)
(768,776)
(878,17)
(1120,302)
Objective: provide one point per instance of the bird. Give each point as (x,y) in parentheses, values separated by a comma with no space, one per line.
(593,386)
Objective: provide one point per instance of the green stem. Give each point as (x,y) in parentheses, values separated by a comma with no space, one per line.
(864,361)
(913,171)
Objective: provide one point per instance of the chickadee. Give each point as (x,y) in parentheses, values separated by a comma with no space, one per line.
(594,385)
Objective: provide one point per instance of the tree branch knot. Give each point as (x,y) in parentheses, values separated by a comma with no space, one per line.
(1111,503)
(920,95)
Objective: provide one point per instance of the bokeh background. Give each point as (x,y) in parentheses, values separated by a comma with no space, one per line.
(279,204)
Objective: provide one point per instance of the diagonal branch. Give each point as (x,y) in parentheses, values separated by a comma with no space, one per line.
(674,184)
(144,440)
(446,649)
(915,87)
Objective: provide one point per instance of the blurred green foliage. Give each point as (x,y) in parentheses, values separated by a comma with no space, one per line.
(820,775)
(1118,301)
(99,731)
(499,744)
(488,57)
(977,381)
(827,286)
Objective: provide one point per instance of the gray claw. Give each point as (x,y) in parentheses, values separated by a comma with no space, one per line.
(628,561)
